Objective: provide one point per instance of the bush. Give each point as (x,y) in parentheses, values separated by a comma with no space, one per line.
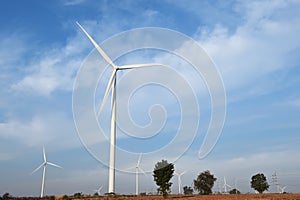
(65,197)
(6,196)
(234,191)
(188,190)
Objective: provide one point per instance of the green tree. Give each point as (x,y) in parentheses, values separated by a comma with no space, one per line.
(188,190)
(77,194)
(259,183)
(204,182)
(234,191)
(162,173)
(6,196)
(96,194)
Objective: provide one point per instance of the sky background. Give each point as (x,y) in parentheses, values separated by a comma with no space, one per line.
(255,45)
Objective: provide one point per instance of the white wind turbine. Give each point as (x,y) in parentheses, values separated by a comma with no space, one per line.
(226,185)
(282,189)
(137,170)
(179,180)
(44,164)
(112,86)
(99,190)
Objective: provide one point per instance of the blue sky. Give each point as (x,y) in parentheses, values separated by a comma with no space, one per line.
(255,46)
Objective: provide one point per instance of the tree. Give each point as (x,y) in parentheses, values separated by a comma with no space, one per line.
(259,183)
(78,194)
(204,182)
(6,196)
(162,173)
(96,194)
(188,190)
(234,191)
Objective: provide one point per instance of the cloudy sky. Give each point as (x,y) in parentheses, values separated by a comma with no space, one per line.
(254,46)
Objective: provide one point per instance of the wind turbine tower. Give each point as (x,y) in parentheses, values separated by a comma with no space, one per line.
(112,87)
(137,169)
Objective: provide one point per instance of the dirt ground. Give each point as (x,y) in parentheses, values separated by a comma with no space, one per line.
(207,197)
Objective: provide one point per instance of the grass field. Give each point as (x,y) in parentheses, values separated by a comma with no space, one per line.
(205,197)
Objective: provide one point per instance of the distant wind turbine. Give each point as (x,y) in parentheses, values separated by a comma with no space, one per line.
(179,180)
(44,164)
(112,86)
(137,170)
(282,189)
(226,185)
(99,190)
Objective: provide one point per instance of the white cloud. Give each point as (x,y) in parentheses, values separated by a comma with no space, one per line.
(41,130)
(11,48)
(5,156)
(73,2)
(259,46)
(53,70)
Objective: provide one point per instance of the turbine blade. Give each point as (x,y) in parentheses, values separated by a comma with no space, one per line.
(103,54)
(182,173)
(54,165)
(44,154)
(110,82)
(139,160)
(133,167)
(141,65)
(142,171)
(37,168)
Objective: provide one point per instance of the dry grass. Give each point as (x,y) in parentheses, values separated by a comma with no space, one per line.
(205,197)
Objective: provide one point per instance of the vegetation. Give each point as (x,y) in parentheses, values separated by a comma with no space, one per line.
(6,196)
(204,182)
(110,194)
(78,194)
(96,194)
(65,197)
(162,173)
(188,190)
(259,183)
(234,191)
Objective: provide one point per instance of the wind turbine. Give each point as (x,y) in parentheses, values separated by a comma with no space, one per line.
(179,180)
(99,190)
(44,164)
(112,86)
(226,185)
(137,170)
(282,189)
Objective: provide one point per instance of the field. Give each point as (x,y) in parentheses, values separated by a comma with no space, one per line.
(206,197)
(174,197)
